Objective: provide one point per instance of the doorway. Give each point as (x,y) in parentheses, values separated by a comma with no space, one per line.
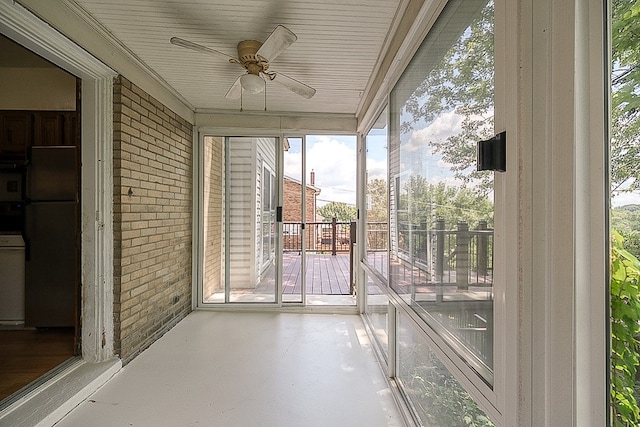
(39,220)
(319,219)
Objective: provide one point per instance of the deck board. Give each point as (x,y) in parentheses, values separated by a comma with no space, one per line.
(325,274)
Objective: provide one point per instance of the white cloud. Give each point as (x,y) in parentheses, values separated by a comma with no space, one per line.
(333,159)
(440,129)
(625,198)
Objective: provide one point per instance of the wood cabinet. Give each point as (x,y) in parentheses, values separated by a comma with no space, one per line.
(20,130)
(48,128)
(16,135)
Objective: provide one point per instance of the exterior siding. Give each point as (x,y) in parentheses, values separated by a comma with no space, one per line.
(241,199)
(265,156)
(152,219)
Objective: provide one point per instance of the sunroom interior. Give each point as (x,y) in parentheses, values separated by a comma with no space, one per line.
(454,260)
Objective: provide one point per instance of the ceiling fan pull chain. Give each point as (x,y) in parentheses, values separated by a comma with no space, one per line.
(241,99)
(265,95)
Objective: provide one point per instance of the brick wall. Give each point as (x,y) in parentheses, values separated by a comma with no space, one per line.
(292,194)
(152,219)
(292,212)
(213,186)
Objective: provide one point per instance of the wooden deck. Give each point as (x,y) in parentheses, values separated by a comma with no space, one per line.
(326,274)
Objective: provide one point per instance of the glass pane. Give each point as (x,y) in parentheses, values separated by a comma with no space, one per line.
(292,231)
(213,261)
(378,313)
(331,171)
(250,225)
(439,400)
(441,207)
(377,196)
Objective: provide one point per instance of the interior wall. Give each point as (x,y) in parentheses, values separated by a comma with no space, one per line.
(41,89)
(152,218)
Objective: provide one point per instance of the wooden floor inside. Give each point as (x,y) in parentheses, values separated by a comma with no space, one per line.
(25,355)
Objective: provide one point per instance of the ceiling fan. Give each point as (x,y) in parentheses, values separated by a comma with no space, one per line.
(255,57)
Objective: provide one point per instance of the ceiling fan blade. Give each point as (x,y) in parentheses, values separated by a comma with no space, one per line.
(294,86)
(235,90)
(199,48)
(280,39)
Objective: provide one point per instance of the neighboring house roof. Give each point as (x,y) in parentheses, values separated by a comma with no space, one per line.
(315,189)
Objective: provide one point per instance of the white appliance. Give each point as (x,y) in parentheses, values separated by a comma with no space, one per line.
(12,279)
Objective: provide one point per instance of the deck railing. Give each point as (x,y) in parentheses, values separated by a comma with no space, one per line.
(331,237)
(462,255)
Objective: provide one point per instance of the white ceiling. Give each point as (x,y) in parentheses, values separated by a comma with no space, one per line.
(339,43)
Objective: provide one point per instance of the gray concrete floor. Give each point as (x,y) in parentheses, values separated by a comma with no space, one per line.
(249,369)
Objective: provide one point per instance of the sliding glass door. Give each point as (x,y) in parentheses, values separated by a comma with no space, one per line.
(239,205)
(267,235)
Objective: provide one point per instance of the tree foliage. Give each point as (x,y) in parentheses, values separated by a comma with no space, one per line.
(625,176)
(463,82)
(377,205)
(444,402)
(626,221)
(625,327)
(339,210)
(427,203)
(625,101)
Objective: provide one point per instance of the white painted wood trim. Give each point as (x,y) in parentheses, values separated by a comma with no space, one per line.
(591,202)
(273,124)
(97,220)
(508,247)
(563,210)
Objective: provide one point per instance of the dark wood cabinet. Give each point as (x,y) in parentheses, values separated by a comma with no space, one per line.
(71,129)
(19,130)
(48,128)
(16,135)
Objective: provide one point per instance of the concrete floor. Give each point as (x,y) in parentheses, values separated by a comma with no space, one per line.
(249,369)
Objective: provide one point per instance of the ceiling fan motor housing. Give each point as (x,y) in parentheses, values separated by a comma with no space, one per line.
(247,55)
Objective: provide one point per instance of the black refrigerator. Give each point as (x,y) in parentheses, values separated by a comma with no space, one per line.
(51,237)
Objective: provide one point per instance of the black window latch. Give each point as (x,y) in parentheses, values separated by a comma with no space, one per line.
(492,153)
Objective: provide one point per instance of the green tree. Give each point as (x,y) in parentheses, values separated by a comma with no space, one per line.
(625,101)
(426,203)
(377,200)
(625,327)
(626,220)
(339,210)
(462,82)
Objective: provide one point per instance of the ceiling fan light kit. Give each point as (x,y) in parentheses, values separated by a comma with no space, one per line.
(255,58)
(252,83)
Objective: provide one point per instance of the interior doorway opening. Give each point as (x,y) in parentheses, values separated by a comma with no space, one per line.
(39,221)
